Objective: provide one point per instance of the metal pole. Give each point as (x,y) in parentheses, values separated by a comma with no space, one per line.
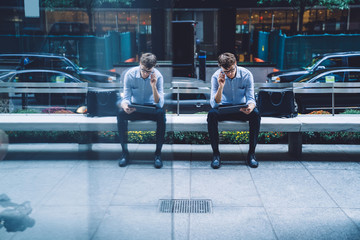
(333,100)
(178,102)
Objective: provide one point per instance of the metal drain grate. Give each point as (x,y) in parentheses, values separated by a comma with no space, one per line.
(185,205)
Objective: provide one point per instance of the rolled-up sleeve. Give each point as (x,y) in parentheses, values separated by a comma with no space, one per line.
(214,88)
(127,89)
(160,88)
(250,96)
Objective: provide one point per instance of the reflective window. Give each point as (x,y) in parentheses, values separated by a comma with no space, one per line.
(354,61)
(354,77)
(331,77)
(332,62)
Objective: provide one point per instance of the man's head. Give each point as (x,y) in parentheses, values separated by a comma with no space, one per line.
(147,64)
(227,62)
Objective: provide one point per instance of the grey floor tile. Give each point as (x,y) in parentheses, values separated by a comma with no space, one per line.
(271,152)
(5,235)
(100,163)
(147,186)
(225,165)
(31,184)
(64,222)
(353,214)
(149,164)
(229,223)
(330,165)
(342,185)
(312,223)
(38,163)
(224,187)
(135,222)
(87,186)
(289,188)
(280,165)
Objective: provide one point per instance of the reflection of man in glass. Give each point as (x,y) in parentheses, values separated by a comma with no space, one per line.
(15,217)
(142,85)
(231,85)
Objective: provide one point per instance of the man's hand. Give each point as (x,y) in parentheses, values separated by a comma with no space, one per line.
(127,109)
(221,79)
(248,109)
(153,80)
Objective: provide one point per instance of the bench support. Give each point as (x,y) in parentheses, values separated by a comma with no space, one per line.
(295,144)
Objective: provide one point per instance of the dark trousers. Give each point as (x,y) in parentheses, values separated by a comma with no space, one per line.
(158,117)
(254,126)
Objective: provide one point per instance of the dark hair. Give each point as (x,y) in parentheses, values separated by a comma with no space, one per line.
(226,60)
(148,60)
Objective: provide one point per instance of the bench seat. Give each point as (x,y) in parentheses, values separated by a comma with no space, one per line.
(185,122)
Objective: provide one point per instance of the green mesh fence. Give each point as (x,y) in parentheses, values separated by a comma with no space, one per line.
(91,51)
(297,51)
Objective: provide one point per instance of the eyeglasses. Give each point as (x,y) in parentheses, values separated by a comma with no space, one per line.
(146,71)
(230,71)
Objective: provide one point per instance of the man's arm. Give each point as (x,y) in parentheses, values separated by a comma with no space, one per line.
(250,95)
(216,91)
(127,95)
(157,86)
(153,83)
(221,82)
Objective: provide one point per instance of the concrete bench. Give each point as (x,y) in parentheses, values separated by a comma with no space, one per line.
(191,122)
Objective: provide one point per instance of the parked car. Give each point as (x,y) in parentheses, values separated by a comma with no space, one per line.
(46,76)
(319,62)
(323,101)
(54,62)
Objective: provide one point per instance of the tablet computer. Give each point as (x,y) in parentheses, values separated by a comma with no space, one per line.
(143,108)
(225,109)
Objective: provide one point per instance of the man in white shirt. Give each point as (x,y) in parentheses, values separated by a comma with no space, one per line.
(232,85)
(143,85)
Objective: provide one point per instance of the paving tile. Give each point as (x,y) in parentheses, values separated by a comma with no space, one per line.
(289,188)
(225,165)
(353,214)
(147,186)
(149,164)
(135,222)
(87,186)
(31,184)
(249,223)
(342,185)
(224,187)
(38,163)
(64,222)
(312,223)
(272,152)
(268,165)
(331,165)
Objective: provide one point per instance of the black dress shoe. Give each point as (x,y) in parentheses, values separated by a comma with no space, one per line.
(216,162)
(251,161)
(158,163)
(124,160)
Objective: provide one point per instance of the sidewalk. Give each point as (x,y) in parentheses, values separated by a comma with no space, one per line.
(79,197)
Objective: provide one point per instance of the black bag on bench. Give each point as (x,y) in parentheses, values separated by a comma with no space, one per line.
(102,102)
(277,103)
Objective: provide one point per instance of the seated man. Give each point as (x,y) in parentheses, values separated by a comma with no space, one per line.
(143,85)
(232,85)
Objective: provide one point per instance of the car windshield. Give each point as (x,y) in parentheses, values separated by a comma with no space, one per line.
(312,62)
(72,63)
(5,76)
